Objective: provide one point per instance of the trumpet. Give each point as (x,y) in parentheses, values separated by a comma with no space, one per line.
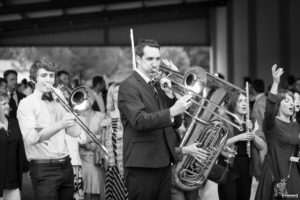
(81,99)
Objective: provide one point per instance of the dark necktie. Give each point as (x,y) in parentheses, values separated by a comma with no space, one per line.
(13,106)
(152,85)
(47,97)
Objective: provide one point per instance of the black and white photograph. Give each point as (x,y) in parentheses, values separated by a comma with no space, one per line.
(149,99)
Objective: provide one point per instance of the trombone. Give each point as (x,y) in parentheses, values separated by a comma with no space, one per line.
(82,98)
(192,84)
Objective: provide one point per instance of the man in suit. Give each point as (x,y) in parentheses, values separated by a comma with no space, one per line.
(150,116)
(14,96)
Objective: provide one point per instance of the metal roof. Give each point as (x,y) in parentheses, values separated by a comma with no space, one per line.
(18,17)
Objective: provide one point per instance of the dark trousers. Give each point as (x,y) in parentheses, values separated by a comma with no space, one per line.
(148,183)
(53,181)
(238,185)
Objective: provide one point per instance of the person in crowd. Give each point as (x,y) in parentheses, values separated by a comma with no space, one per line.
(100,93)
(257,115)
(3,86)
(150,116)
(290,80)
(75,83)
(29,89)
(297,85)
(63,78)
(114,183)
(44,124)
(14,96)
(73,147)
(239,178)
(12,153)
(282,137)
(91,156)
(22,86)
(296,117)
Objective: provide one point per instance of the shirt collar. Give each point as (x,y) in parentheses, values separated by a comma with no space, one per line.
(38,94)
(143,75)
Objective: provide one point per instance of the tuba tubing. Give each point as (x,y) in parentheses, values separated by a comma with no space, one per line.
(164,69)
(206,125)
(78,120)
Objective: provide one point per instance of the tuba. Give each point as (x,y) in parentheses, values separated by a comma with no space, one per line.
(204,122)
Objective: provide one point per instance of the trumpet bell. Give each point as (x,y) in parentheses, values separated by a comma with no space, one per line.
(81,99)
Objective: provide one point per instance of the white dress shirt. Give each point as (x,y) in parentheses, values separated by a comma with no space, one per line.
(35,114)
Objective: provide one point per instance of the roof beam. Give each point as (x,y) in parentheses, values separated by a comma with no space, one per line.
(106,16)
(64,4)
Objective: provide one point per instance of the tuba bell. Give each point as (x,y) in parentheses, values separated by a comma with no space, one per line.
(204,122)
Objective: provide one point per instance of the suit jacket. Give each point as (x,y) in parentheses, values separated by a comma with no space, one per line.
(13,111)
(149,134)
(23,164)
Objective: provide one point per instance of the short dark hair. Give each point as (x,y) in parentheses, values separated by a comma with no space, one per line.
(98,79)
(8,72)
(291,80)
(61,72)
(43,62)
(258,85)
(139,48)
(2,80)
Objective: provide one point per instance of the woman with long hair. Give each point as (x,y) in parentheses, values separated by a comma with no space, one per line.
(12,154)
(239,178)
(282,137)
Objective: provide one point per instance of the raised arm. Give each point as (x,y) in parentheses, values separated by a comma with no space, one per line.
(270,112)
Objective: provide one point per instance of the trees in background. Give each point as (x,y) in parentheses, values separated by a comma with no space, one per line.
(113,62)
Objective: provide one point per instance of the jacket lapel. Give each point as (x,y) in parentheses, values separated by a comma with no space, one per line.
(146,88)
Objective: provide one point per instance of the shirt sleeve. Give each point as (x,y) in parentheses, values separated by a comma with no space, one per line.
(270,112)
(27,121)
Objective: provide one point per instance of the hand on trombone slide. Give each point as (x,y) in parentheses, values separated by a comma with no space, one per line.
(181,105)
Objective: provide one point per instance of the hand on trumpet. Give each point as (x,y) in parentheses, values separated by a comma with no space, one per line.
(181,105)
(170,64)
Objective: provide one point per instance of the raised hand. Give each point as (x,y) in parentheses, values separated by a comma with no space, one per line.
(170,64)
(276,73)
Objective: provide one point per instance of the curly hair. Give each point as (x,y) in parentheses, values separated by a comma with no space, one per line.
(44,63)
